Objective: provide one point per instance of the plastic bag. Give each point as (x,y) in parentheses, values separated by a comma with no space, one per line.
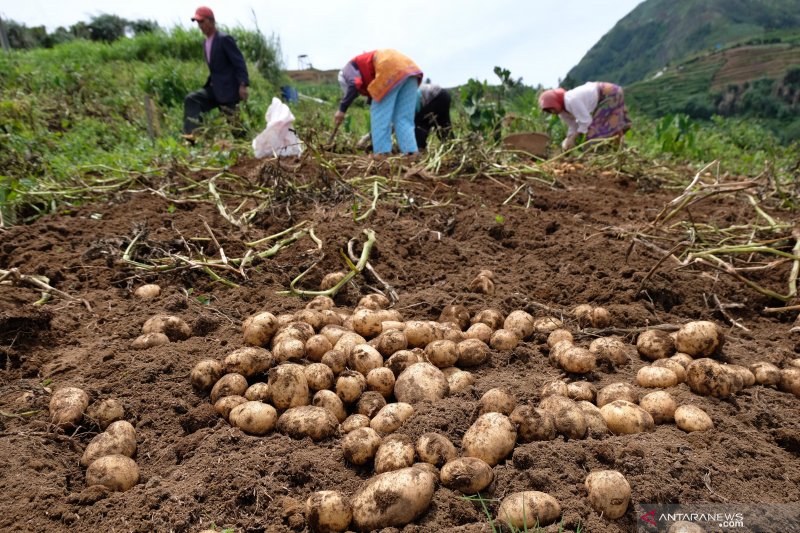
(278,139)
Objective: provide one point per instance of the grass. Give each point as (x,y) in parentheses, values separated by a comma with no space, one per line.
(501,527)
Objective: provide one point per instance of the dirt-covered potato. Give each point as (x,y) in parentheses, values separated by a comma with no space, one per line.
(599,317)
(374,301)
(460,381)
(482,284)
(295,329)
(490,438)
(393,499)
(472,352)
(333,333)
(350,385)
(119,439)
(558,350)
(691,418)
(253,417)
(744,374)
(570,420)
(533,424)
(528,510)
(391,325)
(390,418)
(504,339)
(328,511)
(655,344)
(661,406)
(147,292)
(479,331)
(442,353)
(653,377)
(354,422)
(308,421)
(347,342)
(225,405)
(321,303)
(67,406)
(497,400)
(312,317)
(610,351)
(577,360)
(247,361)
(331,279)
(394,453)
(117,472)
(468,475)
(421,382)
(367,322)
(595,424)
(229,385)
(328,399)
(617,391)
(318,376)
(389,342)
(289,349)
(370,403)
(435,449)
(288,386)
(583,313)
(171,326)
(520,322)
(790,380)
(401,360)
(149,340)
(581,391)
(455,314)
(419,333)
(609,493)
(258,391)
(708,378)
(672,364)
(699,339)
(558,335)
(624,418)
(491,317)
(360,445)
(683,358)
(335,360)
(106,412)
(545,325)
(317,346)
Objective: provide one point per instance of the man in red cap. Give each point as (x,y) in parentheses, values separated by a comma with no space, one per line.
(227,81)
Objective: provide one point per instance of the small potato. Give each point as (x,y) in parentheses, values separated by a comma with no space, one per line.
(766,373)
(699,339)
(472,352)
(350,386)
(558,335)
(581,391)
(247,361)
(497,401)
(675,366)
(546,324)
(318,376)
(528,509)
(479,331)
(327,511)
(683,358)
(328,400)
(654,377)
(393,499)
(617,391)
(435,449)
(147,292)
(106,412)
(691,418)
(381,380)
(225,405)
(468,475)
(708,378)
(748,378)
(390,418)
(331,280)
(67,406)
(455,314)
(503,339)
(401,360)
(317,346)
(610,351)
(583,313)
(335,360)
(577,360)
(419,333)
(655,344)
(790,380)
(394,453)
(599,317)
(482,285)
(117,472)
(533,424)
(390,342)
(554,403)
(321,303)
(519,322)
(491,317)
(229,385)
(609,493)
(333,333)
(624,418)
(288,386)
(360,445)
(367,322)
(253,417)
(460,381)
(317,423)
(661,406)
(119,439)
(149,340)
(354,422)
(289,349)
(370,403)
(171,326)
(554,388)
(373,301)
(421,382)
(312,317)
(258,391)
(490,438)
(442,353)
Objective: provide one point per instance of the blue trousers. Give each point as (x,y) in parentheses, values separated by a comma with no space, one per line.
(395,109)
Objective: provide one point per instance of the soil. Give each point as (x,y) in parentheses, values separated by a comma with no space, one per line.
(551,247)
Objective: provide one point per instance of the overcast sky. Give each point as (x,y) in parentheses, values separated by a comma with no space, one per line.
(451,41)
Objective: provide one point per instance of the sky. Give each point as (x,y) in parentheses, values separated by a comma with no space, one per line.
(451,41)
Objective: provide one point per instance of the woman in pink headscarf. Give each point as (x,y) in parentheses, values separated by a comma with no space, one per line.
(596,109)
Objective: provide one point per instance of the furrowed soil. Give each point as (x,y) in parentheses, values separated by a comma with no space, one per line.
(550,248)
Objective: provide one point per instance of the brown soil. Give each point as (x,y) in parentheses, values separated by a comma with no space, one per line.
(555,247)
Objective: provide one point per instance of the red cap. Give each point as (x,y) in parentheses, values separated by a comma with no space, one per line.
(203,13)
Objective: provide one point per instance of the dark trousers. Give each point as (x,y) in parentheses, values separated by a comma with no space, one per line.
(434,115)
(199,102)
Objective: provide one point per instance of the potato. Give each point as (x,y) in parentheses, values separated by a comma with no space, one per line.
(317,346)
(329,400)
(503,339)
(595,424)
(288,386)
(289,349)
(610,351)
(390,418)
(460,381)
(520,323)
(790,380)
(554,388)
(609,493)
(394,453)
(205,374)
(479,331)
(295,329)
(370,403)
(350,386)
(581,391)
(354,422)
(442,353)
(367,322)
(468,475)
(482,284)
(796,361)
(546,325)
(348,341)
(67,406)
(707,377)
(373,301)
(766,373)
(554,403)
(435,449)
(624,418)
(570,420)
(393,499)
(691,418)
(258,391)
(312,317)
(490,438)
(317,423)
(360,445)
(558,350)
(171,326)
(599,317)
(747,377)
(617,391)
(401,360)
(390,342)
(661,406)
(472,352)
(455,314)
(253,417)
(497,401)
(149,340)
(577,360)
(533,424)
(321,303)
(419,333)
(331,280)
(672,364)
(119,439)
(449,332)
(147,292)
(106,412)
(333,333)
(247,361)
(392,325)
(421,382)
(655,344)
(683,358)
(528,509)
(117,472)
(654,377)
(558,335)
(583,313)
(335,360)
(699,339)
(225,405)
(327,511)
(491,317)
(229,385)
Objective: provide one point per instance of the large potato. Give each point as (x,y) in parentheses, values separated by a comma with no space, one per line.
(699,339)
(364,358)
(335,360)
(106,412)
(318,376)
(421,382)
(247,361)
(390,342)
(118,439)
(570,420)
(393,499)
(519,322)
(661,406)
(330,401)
(253,417)
(259,329)
(394,453)
(490,438)
(610,351)
(623,418)
(317,346)
(491,317)
(655,344)
(533,424)
(472,352)
(205,374)
(67,406)
(288,386)
(229,385)
(504,339)
(149,340)
(370,403)
(468,475)
(442,353)
(327,511)
(455,314)
(790,380)
(708,378)
(381,380)
(577,360)
(766,373)
(289,349)
(528,509)
(354,422)
(367,322)
(460,381)
(171,326)
(609,493)
(350,385)
(308,421)
(654,377)
(419,333)
(435,449)
(117,472)
(391,417)
(617,391)
(691,418)
(497,400)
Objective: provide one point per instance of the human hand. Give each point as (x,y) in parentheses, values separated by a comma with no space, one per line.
(569,142)
(243,92)
(338,118)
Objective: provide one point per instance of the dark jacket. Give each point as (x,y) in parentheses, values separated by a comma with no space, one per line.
(228,69)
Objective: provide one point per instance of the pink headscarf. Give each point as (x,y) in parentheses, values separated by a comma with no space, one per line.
(552,99)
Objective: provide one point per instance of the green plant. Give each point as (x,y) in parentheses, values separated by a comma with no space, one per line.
(677,135)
